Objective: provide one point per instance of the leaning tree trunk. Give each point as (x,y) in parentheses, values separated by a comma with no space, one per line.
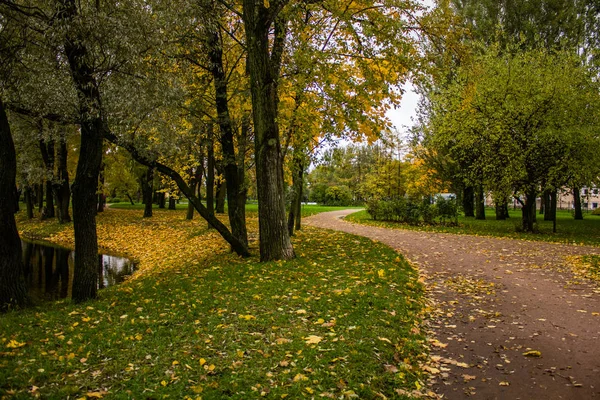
(479,203)
(577,200)
(147,182)
(263,67)
(237,246)
(61,186)
(468,201)
(12,284)
(235,207)
(91,121)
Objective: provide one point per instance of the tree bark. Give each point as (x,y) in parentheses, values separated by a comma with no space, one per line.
(577,200)
(549,201)
(29,201)
(236,205)
(172,203)
(101,196)
(210,170)
(264,67)
(147,182)
(480,203)
(85,279)
(468,201)
(61,184)
(528,211)
(12,285)
(295,204)
(47,150)
(221,189)
(161,199)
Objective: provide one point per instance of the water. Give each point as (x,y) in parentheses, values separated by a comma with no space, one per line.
(49,270)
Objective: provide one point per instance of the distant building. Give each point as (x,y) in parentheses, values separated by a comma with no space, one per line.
(590,199)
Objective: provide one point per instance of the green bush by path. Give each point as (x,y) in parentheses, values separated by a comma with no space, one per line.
(340,320)
(569,230)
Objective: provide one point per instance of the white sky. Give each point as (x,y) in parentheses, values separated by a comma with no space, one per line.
(402,117)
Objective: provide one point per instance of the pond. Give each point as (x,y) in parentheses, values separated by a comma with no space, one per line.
(49,270)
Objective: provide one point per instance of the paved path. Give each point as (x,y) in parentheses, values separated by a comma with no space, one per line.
(496,299)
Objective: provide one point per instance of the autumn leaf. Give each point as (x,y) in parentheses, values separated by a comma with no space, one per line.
(312,339)
(13,344)
(532,353)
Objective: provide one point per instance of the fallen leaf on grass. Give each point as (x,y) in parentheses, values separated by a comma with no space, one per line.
(13,344)
(312,339)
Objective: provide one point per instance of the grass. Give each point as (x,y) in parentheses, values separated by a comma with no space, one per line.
(339,321)
(307,210)
(586,231)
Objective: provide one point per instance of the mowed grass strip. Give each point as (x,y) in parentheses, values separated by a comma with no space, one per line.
(342,320)
(582,232)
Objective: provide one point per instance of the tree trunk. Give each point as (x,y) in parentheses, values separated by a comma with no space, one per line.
(264,67)
(190,208)
(236,206)
(577,200)
(545,203)
(61,185)
(147,182)
(29,201)
(528,211)
(172,203)
(12,284)
(210,171)
(101,196)
(162,199)
(39,190)
(553,201)
(47,150)
(549,201)
(129,198)
(480,203)
(295,204)
(91,121)
(221,197)
(468,201)
(237,246)
(500,212)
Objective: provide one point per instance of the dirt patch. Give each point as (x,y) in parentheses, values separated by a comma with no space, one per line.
(511,321)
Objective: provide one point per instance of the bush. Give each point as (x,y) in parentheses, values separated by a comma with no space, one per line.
(596,211)
(447,210)
(338,196)
(114,200)
(414,212)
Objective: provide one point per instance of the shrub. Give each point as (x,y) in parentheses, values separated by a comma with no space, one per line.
(338,196)
(596,211)
(114,200)
(447,210)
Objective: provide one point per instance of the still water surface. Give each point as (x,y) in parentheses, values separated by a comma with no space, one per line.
(49,270)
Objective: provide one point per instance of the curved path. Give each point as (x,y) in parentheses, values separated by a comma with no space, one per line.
(494,300)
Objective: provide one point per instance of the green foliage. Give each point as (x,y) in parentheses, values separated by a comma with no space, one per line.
(585,232)
(338,196)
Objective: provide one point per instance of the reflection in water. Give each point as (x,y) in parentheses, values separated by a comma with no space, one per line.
(49,270)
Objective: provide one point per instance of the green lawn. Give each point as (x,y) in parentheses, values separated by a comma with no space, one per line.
(586,231)
(307,210)
(342,320)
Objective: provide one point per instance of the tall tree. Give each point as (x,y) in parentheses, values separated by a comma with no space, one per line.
(12,284)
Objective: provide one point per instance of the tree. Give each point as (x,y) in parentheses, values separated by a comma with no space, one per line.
(524,115)
(12,285)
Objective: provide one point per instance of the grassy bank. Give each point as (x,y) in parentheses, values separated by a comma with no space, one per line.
(339,321)
(586,231)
